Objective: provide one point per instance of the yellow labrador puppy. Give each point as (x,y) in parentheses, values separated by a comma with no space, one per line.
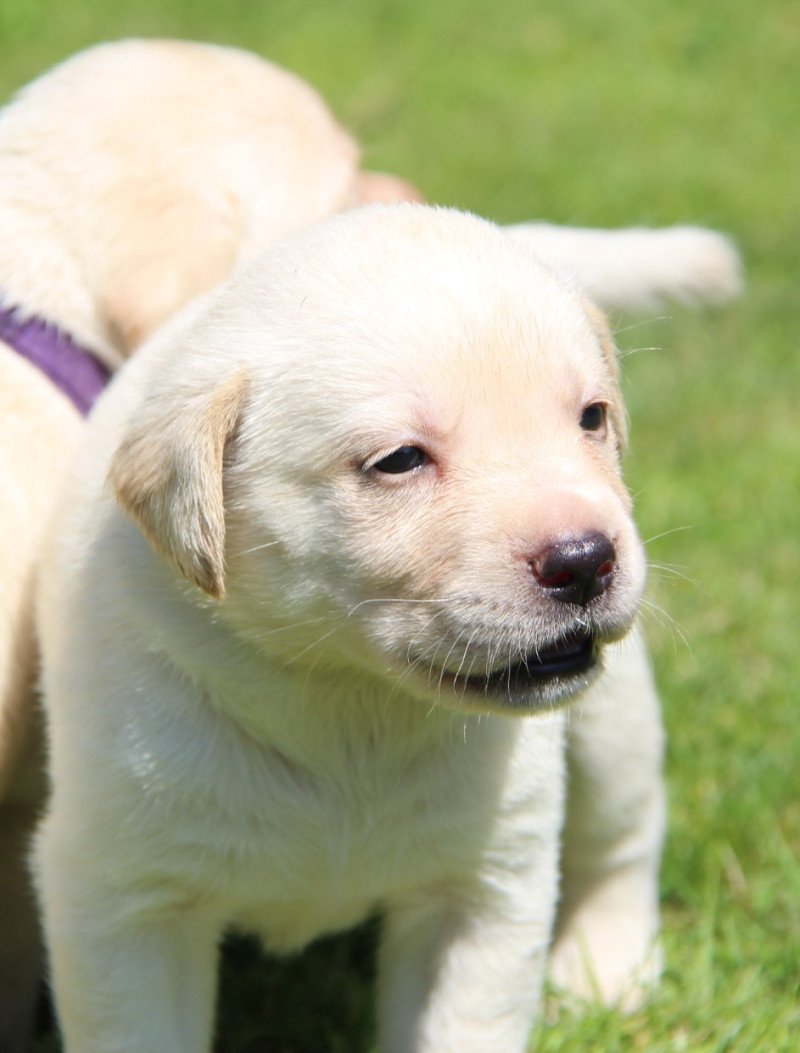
(334,557)
(132,178)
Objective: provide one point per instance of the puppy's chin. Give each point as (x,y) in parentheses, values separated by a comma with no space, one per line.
(544,679)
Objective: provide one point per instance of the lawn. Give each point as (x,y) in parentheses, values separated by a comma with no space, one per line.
(608,113)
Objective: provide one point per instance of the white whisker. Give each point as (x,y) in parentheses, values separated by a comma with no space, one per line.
(257,548)
(388,599)
(666,570)
(666,533)
(290,627)
(443,667)
(470,669)
(311,646)
(414,639)
(635,351)
(644,321)
(442,641)
(665,620)
(464,657)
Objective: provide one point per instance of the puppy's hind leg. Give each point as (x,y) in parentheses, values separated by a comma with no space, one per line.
(127,978)
(606,941)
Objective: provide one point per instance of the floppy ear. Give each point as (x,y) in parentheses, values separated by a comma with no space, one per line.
(167,475)
(617,412)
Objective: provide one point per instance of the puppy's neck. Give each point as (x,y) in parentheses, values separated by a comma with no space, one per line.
(316,717)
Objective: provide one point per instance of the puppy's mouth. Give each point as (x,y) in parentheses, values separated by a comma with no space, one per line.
(546,676)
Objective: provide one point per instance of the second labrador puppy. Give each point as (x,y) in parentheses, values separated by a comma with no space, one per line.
(307,655)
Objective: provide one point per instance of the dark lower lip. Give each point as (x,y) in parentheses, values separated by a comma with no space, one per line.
(573,654)
(549,676)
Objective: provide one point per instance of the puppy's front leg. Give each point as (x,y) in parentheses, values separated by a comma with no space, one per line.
(461,964)
(126,979)
(606,936)
(463,981)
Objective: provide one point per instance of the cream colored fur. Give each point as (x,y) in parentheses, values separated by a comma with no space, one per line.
(266,660)
(132,178)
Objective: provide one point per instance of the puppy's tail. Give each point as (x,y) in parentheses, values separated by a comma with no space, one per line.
(640,268)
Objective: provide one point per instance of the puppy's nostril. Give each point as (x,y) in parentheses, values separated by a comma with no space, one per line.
(605,568)
(576,569)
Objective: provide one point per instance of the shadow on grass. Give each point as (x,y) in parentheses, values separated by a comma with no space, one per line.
(320,1001)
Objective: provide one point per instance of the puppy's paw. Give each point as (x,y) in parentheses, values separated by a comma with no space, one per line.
(622,979)
(607,950)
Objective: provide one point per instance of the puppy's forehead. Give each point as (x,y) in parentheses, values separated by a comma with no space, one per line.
(394,323)
(385,292)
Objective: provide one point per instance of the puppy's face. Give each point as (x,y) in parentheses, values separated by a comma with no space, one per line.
(422,480)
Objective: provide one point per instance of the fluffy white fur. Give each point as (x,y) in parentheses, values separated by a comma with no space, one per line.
(268,664)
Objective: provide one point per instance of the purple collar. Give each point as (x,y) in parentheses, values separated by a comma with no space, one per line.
(74,370)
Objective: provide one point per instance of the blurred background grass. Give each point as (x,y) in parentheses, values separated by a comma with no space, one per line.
(608,113)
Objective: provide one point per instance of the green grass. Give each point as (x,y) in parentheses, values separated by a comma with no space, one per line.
(606,112)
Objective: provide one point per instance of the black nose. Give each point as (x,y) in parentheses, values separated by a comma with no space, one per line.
(576,569)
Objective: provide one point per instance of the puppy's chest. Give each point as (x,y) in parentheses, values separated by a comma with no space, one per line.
(297,858)
(295,843)
(330,865)
(370,832)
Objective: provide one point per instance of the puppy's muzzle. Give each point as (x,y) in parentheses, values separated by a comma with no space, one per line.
(576,569)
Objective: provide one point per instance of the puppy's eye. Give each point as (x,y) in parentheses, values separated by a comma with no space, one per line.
(593,417)
(403,459)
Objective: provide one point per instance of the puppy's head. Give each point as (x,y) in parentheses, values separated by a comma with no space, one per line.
(399,453)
